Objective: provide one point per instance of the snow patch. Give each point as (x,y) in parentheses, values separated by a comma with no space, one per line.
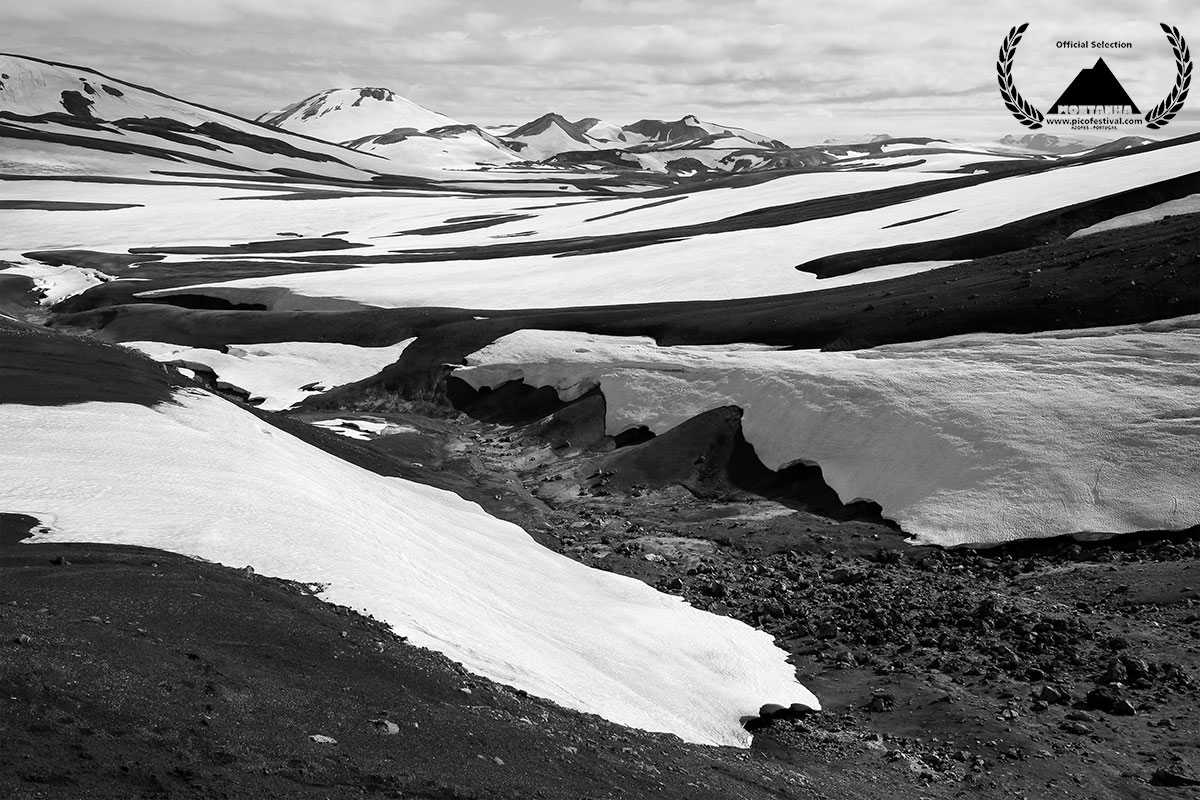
(280,374)
(201,476)
(974,439)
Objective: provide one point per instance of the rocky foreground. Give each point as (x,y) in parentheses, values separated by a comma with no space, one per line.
(1055,669)
(1050,669)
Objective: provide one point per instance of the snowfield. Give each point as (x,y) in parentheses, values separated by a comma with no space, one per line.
(976,439)
(436,567)
(748,262)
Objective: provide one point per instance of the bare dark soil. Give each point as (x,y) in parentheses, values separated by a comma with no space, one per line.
(49,368)
(127,672)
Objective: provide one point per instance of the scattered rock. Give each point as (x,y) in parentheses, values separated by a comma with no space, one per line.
(881,702)
(1110,699)
(1054,694)
(320,738)
(385,727)
(1172,777)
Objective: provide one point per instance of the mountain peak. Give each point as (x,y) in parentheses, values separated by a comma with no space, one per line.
(342,115)
(546,122)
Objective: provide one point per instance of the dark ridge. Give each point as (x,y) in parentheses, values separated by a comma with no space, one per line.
(696,454)
(149,276)
(421,371)
(687,164)
(709,456)
(111,146)
(169,129)
(876,147)
(579,423)
(920,219)
(477,217)
(1083,546)
(16,527)
(635,208)
(800,486)
(247,248)
(369,327)
(466,225)
(391,137)
(633,436)
(512,403)
(543,123)
(63,205)
(1046,228)
(209,303)
(48,368)
(263,144)
(56,117)
(19,294)
(608,158)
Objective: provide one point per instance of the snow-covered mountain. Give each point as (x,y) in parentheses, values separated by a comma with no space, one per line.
(690,128)
(448,147)
(549,135)
(603,131)
(340,115)
(67,119)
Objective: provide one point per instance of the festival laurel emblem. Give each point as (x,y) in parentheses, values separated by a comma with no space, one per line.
(1161,114)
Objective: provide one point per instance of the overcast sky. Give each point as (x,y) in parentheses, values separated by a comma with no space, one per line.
(794,70)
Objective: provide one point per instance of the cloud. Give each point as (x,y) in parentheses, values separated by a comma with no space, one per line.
(622,59)
(361,14)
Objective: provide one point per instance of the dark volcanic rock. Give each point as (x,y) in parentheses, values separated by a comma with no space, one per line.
(1111,700)
(1172,777)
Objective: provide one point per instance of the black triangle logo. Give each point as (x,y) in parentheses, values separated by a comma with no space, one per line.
(1096,86)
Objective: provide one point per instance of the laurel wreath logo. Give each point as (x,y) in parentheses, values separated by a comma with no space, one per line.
(1165,111)
(1021,108)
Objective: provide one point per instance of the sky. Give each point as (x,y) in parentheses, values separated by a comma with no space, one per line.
(797,71)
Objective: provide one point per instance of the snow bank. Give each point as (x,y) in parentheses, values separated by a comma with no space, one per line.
(275,372)
(58,282)
(203,477)
(362,429)
(972,439)
(1184,205)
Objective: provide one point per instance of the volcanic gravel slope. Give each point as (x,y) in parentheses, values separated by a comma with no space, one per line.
(134,672)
